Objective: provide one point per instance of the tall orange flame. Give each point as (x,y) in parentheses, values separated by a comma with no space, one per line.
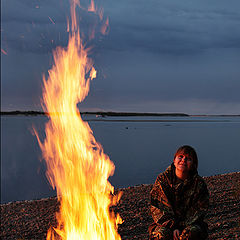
(76,164)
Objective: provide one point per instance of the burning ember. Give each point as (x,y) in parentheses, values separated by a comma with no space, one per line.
(76,164)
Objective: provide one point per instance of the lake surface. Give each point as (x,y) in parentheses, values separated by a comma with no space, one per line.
(140,147)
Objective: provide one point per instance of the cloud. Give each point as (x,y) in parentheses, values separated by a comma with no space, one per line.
(172,28)
(40,26)
(157,26)
(155,51)
(35,11)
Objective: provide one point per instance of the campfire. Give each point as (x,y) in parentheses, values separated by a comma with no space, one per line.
(77,167)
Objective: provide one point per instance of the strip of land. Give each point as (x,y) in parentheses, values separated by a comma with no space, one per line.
(118,114)
(102,114)
(32,219)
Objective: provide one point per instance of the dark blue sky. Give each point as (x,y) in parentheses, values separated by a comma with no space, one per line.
(159,55)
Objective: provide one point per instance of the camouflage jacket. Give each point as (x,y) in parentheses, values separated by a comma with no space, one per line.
(177,204)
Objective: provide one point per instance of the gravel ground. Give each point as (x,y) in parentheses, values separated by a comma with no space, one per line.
(32,219)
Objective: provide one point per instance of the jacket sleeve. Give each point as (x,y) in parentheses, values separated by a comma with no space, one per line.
(200,205)
(161,209)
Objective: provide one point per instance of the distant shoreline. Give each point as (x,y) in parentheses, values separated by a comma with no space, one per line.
(23,113)
(120,114)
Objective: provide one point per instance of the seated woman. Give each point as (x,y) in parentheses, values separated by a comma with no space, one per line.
(179,200)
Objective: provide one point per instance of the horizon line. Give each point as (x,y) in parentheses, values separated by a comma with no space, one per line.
(115,113)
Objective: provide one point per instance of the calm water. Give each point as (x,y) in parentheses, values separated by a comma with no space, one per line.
(140,148)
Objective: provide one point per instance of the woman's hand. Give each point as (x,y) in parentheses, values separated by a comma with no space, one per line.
(176,234)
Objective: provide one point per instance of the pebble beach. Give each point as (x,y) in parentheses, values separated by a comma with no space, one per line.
(32,219)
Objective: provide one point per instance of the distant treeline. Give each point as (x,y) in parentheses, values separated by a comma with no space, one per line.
(123,114)
(132,114)
(23,113)
(103,114)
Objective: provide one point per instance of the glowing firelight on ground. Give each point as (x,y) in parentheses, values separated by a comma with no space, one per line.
(76,164)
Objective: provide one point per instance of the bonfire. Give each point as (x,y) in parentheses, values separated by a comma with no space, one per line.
(77,166)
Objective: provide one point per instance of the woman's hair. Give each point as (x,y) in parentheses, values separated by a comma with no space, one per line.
(190,152)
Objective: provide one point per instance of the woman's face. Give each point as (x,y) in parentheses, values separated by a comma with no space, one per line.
(183,162)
